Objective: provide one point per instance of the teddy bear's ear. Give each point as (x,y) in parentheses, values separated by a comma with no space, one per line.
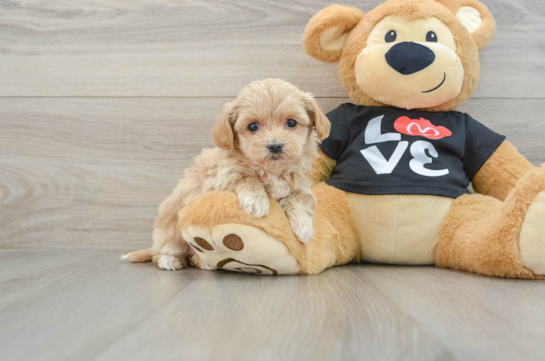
(327,30)
(475,17)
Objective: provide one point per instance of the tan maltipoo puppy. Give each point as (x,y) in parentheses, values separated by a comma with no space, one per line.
(266,146)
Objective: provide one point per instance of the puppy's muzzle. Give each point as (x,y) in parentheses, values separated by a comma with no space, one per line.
(276,148)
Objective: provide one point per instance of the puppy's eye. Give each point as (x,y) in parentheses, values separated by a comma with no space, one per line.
(253,127)
(290,123)
(431,36)
(391,36)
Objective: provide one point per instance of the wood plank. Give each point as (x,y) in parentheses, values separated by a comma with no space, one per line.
(73,311)
(201,48)
(355,312)
(90,173)
(17,263)
(331,316)
(93,306)
(478,317)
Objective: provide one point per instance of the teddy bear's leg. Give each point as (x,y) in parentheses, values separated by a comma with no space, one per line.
(485,235)
(226,237)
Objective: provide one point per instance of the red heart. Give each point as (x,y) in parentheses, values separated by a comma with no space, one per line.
(420,127)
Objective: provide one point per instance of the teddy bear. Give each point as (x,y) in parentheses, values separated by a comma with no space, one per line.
(391,181)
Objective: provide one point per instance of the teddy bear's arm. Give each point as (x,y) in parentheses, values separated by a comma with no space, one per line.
(322,168)
(501,172)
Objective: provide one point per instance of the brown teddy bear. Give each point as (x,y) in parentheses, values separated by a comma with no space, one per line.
(398,162)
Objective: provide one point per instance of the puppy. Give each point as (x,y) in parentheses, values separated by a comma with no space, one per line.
(265,149)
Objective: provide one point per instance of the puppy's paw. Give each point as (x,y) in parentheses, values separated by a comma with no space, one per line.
(169,263)
(302,225)
(195,261)
(256,204)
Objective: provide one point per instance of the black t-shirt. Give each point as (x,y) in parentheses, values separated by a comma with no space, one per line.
(386,150)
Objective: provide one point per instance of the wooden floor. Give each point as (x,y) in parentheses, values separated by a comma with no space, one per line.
(103,103)
(86,305)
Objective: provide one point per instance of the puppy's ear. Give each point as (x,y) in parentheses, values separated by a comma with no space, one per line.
(322,124)
(222,133)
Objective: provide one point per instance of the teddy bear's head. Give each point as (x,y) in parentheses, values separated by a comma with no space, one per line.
(409,54)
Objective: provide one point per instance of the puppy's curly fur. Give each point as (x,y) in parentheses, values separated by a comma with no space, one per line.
(265,149)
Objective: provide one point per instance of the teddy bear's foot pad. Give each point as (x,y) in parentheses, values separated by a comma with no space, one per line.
(240,248)
(532,236)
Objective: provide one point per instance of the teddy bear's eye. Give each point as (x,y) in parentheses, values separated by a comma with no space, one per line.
(431,36)
(391,36)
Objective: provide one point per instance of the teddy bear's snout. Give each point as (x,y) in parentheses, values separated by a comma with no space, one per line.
(408,57)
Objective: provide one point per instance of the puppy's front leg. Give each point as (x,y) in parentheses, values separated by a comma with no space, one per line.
(252,197)
(300,207)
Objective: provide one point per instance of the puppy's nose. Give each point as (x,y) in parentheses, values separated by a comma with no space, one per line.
(276,148)
(408,57)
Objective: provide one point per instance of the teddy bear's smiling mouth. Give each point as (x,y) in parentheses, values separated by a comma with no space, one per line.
(437,87)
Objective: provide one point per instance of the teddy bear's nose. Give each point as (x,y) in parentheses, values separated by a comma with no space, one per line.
(408,57)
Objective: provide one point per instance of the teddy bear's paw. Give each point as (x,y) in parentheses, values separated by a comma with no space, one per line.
(532,236)
(240,248)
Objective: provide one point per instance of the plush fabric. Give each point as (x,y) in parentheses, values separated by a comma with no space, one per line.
(322,168)
(501,172)
(388,58)
(399,229)
(342,18)
(481,233)
(485,33)
(335,241)
(532,236)
(413,10)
